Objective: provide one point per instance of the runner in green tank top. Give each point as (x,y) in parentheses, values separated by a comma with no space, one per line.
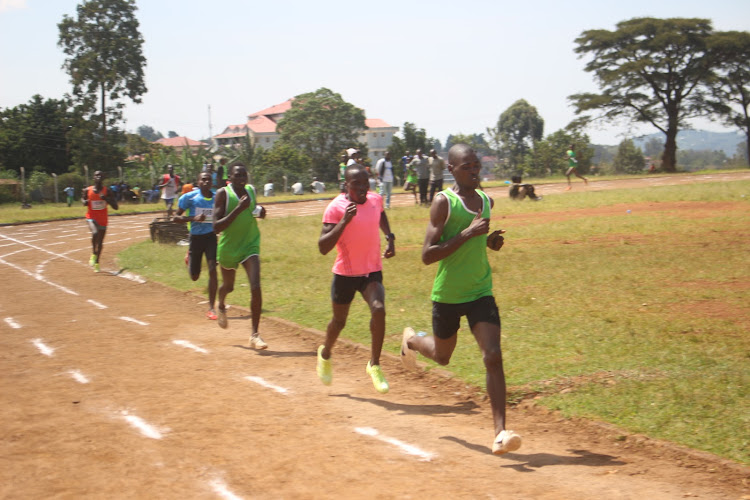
(239,243)
(457,239)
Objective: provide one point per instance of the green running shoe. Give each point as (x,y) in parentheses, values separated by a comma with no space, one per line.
(325,372)
(96,267)
(92,260)
(378,379)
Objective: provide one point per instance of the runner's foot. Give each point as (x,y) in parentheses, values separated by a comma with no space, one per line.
(505,442)
(257,343)
(408,356)
(210,314)
(568,188)
(324,369)
(92,260)
(96,267)
(378,379)
(222,317)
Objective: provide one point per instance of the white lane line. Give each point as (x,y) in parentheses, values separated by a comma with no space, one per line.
(267,385)
(96,304)
(221,489)
(404,447)
(37,247)
(40,278)
(46,350)
(132,277)
(190,345)
(13,253)
(133,320)
(12,323)
(146,429)
(79,377)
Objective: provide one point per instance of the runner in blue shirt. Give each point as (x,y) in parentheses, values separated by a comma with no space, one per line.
(198,207)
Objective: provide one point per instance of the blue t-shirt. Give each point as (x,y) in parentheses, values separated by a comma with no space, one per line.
(194,203)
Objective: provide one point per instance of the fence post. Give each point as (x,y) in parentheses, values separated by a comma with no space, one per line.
(54,176)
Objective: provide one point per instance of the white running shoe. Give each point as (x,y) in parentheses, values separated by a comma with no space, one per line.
(408,356)
(257,343)
(505,442)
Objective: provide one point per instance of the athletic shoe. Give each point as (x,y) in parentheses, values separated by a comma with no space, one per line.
(92,260)
(325,371)
(378,379)
(408,356)
(505,442)
(222,317)
(210,314)
(96,267)
(257,343)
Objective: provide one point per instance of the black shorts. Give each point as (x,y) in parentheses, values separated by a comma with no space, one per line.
(343,288)
(201,244)
(446,318)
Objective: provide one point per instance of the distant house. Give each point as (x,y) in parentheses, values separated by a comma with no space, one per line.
(181,143)
(261,129)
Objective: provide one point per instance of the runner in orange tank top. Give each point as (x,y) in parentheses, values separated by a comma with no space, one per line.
(96,198)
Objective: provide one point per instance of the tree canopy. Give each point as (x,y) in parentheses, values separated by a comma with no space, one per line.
(649,71)
(321,125)
(104,58)
(518,128)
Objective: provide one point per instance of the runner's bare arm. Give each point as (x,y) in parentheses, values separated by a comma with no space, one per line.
(433,250)
(331,233)
(390,250)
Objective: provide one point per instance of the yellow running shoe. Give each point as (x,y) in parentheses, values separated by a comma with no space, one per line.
(378,379)
(96,267)
(325,372)
(92,260)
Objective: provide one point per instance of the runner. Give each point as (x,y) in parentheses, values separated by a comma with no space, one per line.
(573,167)
(96,198)
(234,209)
(411,180)
(350,223)
(170,183)
(456,238)
(199,205)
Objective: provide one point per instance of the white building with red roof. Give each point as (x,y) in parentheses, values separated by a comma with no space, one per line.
(181,143)
(261,128)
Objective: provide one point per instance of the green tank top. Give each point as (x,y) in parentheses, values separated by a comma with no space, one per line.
(465,275)
(242,238)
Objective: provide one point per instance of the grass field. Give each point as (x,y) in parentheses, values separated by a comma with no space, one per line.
(636,318)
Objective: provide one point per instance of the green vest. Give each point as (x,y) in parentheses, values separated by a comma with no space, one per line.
(465,275)
(242,238)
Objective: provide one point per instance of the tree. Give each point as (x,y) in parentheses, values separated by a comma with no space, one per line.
(416,138)
(629,159)
(172,134)
(149,133)
(284,160)
(732,85)
(519,128)
(649,71)
(321,125)
(476,141)
(104,58)
(36,133)
(549,157)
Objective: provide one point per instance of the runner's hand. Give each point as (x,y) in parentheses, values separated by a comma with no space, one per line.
(478,226)
(495,240)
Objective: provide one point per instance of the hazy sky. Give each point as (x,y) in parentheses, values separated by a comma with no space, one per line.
(447,66)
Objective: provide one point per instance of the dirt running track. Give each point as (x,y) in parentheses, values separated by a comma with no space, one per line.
(112,388)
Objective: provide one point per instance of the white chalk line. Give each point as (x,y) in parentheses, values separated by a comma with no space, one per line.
(12,323)
(190,345)
(44,349)
(221,489)
(96,304)
(13,253)
(79,377)
(39,278)
(146,429)
(267,385)
(409,449)
(133,320)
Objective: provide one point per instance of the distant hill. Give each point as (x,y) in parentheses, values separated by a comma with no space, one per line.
(700,140)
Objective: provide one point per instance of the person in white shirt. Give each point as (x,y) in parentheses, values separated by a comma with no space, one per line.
(353,156)
(317,186)
(384,168)
(297,188)
(268,188)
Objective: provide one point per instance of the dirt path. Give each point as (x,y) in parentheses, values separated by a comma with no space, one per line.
(112,388)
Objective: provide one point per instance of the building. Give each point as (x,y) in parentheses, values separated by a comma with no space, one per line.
(261,129)
(181,143)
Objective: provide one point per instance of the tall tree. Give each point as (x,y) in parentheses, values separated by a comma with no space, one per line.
(629,158)
(649,71)
(104,59)
(148,133)
(519,128)
(36,134)
(321,125)
(416,138)
(732,85)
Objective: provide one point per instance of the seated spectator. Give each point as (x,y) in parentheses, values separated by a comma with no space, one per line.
(268,189)
(519,191)
(297,188)
(317,186)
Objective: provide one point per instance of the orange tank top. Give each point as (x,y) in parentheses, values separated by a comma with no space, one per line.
(97,207)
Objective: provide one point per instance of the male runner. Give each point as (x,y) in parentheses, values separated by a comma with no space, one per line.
(199,207)
(573,167)
(457,238)
(96,198)
(239,244)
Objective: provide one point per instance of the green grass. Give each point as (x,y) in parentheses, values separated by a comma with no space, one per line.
(643,314)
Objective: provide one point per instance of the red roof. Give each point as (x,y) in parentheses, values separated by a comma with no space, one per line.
(260,124)
(274,110)
(376,123)
(178,142)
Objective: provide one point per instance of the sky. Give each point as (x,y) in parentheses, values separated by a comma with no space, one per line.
(448,67)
